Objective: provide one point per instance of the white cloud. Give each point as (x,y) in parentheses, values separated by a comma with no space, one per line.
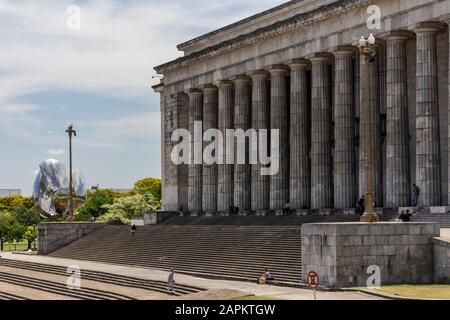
(56,152)
(119,132)
(20,109)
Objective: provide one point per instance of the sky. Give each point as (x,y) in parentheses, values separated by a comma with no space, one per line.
(98,76)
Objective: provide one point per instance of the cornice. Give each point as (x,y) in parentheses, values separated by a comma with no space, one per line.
(303,19)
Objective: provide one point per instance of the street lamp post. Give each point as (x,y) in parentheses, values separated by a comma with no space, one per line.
(71,132)
(369,51)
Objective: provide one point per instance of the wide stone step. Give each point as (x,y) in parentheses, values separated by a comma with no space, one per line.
(151,285)
(61,289)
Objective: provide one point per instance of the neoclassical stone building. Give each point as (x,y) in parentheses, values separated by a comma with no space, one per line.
(298,68)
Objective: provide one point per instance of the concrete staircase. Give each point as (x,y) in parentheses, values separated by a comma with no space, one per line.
(102,277)
(235,248)
(227,252)
(442,218)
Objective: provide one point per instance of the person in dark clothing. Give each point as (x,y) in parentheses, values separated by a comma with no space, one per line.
(406,217)
(133,232)
(234,210)
(180,211)
(360,206)
(286,209)
(416,193)
(171,282)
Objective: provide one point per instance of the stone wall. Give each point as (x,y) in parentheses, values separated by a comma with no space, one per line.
(53,236)
(441,260)
(341,252)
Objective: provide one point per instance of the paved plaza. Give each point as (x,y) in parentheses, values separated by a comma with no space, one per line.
(218,289)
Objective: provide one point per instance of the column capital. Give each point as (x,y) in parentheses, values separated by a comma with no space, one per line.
(240,79)
(429,27)
(209,88)
(399,36)
(258,74)
(345,52)
(298,64)
(224,83)
(278,69)
(194,92)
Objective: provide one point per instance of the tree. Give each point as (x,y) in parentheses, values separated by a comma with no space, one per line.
(123,209)
(94,206)
(149,185)
(10,229)
(30,235)
(11,203)
(26,216)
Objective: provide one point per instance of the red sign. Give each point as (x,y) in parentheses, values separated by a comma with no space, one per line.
(313,280)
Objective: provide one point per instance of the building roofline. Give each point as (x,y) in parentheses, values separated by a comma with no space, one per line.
(186,44)
(301,19)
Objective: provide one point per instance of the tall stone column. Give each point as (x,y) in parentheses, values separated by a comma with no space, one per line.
(210,121)
(260,120)
(372,94)
(242,120)
(195,167)
(279,120)
(427,123)
(398,183)
(225,193)
(300,167)
(448,147)
(344,150)
(321,163)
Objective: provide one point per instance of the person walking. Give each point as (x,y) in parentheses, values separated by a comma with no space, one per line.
(416,193)
(171,282)
(133,232)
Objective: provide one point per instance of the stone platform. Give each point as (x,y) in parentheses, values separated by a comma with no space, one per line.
(342,252)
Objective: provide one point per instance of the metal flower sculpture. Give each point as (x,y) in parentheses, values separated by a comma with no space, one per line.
(51,189)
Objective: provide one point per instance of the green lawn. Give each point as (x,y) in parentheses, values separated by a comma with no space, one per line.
(435,291)
(16,246)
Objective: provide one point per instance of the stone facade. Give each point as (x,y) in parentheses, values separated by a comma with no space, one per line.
(341,253)
(297,68)
(53,236)
(441,260)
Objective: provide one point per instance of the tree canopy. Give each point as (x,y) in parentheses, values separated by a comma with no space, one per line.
(124,209)
(149,185)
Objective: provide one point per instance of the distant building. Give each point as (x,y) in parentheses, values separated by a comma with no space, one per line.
(10,192)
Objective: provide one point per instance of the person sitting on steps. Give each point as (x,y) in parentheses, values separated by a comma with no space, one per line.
(234,210)
(266,278)
(406,217)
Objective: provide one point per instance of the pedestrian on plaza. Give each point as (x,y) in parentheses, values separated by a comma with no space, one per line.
(171,282)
